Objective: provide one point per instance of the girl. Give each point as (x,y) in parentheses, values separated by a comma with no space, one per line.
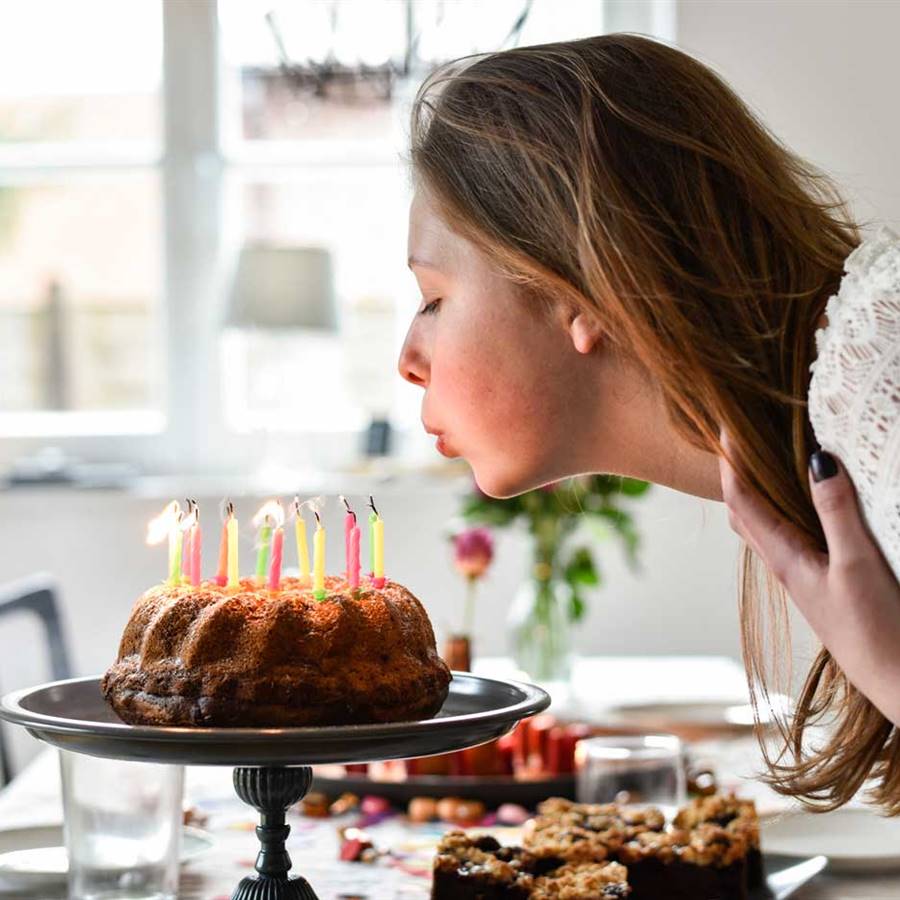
(623,271)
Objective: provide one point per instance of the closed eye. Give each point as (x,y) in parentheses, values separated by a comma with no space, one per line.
(430,308)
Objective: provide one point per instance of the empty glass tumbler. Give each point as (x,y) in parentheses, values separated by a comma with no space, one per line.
(122,824)
(646,769)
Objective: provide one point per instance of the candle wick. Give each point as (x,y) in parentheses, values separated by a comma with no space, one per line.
(318,520)
(372,504)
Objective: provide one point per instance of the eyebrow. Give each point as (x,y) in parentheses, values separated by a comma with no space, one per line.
(418,261)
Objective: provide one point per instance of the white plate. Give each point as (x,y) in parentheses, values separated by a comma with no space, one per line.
(697,714)
(35,857)
(854,840)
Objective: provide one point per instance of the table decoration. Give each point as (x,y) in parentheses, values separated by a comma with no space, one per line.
(473,551)
(552,597)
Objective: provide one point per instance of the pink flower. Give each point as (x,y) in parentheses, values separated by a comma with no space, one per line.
(474,550)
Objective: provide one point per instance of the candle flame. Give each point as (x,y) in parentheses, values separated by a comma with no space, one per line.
(158,529)
(189,519)
(270,512)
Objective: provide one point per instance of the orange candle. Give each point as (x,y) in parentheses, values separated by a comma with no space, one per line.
(221,576)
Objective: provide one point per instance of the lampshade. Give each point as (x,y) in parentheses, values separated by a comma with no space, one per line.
(279,286)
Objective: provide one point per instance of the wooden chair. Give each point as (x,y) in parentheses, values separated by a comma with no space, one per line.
(36,594)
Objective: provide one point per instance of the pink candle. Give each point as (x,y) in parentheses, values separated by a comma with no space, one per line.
(275,559)
(186,555)
(196,550)
(353,561)
(349,525)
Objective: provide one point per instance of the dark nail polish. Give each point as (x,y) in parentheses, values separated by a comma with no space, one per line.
(823,465)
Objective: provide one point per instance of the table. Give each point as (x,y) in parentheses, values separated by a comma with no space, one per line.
(33,798)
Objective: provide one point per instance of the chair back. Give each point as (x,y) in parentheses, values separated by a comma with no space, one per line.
(36,594)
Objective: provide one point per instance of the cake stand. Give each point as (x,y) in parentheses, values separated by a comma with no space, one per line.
(272,766)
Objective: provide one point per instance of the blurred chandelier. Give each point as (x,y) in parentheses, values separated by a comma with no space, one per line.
(366,49)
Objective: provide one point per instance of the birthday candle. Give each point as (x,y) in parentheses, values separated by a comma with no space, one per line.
(186,554)
(232,528)
(353,563)
(349,525)
(277,554)
(302,546)
(187,528)
(264,522)
(319,561)
(175,550)
(373,518)
(378,568)
(166,526)
(196,549)
(221,577)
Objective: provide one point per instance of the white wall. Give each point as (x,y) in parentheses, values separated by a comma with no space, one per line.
(822,74)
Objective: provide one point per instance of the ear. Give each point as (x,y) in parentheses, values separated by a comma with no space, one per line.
(585,332)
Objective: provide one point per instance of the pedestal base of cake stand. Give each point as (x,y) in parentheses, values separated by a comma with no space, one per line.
(271,790)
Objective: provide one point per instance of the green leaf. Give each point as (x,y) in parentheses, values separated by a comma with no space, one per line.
(576,607)
(633,487)
(581,570)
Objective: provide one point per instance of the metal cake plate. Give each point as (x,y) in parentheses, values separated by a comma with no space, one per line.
(74,716)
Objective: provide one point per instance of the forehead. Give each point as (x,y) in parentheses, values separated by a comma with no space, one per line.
(430,238)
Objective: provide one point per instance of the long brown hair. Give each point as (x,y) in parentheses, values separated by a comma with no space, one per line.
(625,178)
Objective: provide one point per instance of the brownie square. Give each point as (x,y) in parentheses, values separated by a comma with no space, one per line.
(478,868)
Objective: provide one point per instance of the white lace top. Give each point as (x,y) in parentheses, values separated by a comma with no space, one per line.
(854,393)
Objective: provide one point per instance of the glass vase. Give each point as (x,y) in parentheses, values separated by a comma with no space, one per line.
(540,629)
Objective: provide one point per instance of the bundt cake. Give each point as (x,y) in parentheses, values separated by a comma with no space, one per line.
(208,656)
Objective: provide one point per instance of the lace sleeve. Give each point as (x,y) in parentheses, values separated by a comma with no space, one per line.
(854,392)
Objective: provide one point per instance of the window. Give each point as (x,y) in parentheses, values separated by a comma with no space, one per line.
(80,208)
(144,144)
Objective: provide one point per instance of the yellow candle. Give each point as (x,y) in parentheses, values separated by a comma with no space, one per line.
(319,561)
(302,546)
(233,572)
(378,538)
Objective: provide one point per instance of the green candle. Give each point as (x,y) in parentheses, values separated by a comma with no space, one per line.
(262,554)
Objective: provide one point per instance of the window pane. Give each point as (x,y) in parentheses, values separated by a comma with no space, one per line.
(326,381)
(80,280)
(85,71)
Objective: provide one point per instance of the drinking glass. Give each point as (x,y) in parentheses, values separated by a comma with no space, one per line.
(644,770)
(122,825)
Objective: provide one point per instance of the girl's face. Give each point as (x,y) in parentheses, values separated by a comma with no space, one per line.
(514,390)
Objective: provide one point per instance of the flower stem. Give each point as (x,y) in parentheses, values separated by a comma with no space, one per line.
(469,608)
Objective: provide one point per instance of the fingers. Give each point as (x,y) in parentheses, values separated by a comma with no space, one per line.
(790,555)
(835,500)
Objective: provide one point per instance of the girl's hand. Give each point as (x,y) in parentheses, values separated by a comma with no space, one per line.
(848,595)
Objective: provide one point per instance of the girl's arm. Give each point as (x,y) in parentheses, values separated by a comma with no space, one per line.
(849,595)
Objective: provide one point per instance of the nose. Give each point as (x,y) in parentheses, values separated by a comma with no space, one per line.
(413,363)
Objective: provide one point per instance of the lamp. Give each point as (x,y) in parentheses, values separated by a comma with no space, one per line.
(279,286)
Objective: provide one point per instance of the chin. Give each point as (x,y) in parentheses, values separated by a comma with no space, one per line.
(502,484)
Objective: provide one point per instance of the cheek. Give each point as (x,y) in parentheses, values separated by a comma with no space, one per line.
(496,401)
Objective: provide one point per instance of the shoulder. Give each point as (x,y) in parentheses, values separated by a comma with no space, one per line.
(864,315)
(854,391)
